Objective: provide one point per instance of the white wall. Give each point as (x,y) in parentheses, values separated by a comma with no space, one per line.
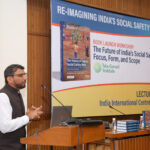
(13,36)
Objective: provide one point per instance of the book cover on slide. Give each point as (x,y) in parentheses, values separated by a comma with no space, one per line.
(75,52)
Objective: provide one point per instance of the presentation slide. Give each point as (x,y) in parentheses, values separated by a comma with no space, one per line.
(99,59)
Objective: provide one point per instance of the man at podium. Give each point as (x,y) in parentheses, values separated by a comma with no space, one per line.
(12,111)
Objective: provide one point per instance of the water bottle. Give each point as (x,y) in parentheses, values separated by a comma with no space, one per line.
(114,125)
(141,122)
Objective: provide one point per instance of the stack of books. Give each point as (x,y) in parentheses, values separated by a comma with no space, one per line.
(127,125)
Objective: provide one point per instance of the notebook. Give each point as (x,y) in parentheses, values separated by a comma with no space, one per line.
(60,114)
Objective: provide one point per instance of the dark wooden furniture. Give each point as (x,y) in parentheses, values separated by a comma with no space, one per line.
(139,140)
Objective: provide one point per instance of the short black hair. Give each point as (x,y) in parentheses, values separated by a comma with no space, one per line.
(10,70)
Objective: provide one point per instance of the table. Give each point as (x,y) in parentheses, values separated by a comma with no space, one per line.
(139,140)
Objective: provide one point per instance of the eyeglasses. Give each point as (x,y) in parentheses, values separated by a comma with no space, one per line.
(20,75)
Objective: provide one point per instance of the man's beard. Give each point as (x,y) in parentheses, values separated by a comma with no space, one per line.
(19,86)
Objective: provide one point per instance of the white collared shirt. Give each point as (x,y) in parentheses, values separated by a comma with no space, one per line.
(7,124)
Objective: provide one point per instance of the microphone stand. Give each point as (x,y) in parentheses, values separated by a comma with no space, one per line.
(71,120)
(116,110)
(43,86)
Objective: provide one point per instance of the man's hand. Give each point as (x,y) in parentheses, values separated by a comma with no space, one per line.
(34,112)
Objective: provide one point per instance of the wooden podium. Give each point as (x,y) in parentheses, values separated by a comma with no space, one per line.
(66,135)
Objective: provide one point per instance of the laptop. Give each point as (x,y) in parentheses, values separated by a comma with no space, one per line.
(60,114)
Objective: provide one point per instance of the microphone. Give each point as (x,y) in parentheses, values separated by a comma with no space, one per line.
(44,87)
(116,110)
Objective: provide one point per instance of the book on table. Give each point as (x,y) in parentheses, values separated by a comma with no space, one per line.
(146,118)
(128,130)
(127,125)
(127,122)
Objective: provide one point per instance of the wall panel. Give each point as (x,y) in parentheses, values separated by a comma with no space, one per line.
(129,7)
(39,73)
(39,63)
(38,23)
(39,17)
